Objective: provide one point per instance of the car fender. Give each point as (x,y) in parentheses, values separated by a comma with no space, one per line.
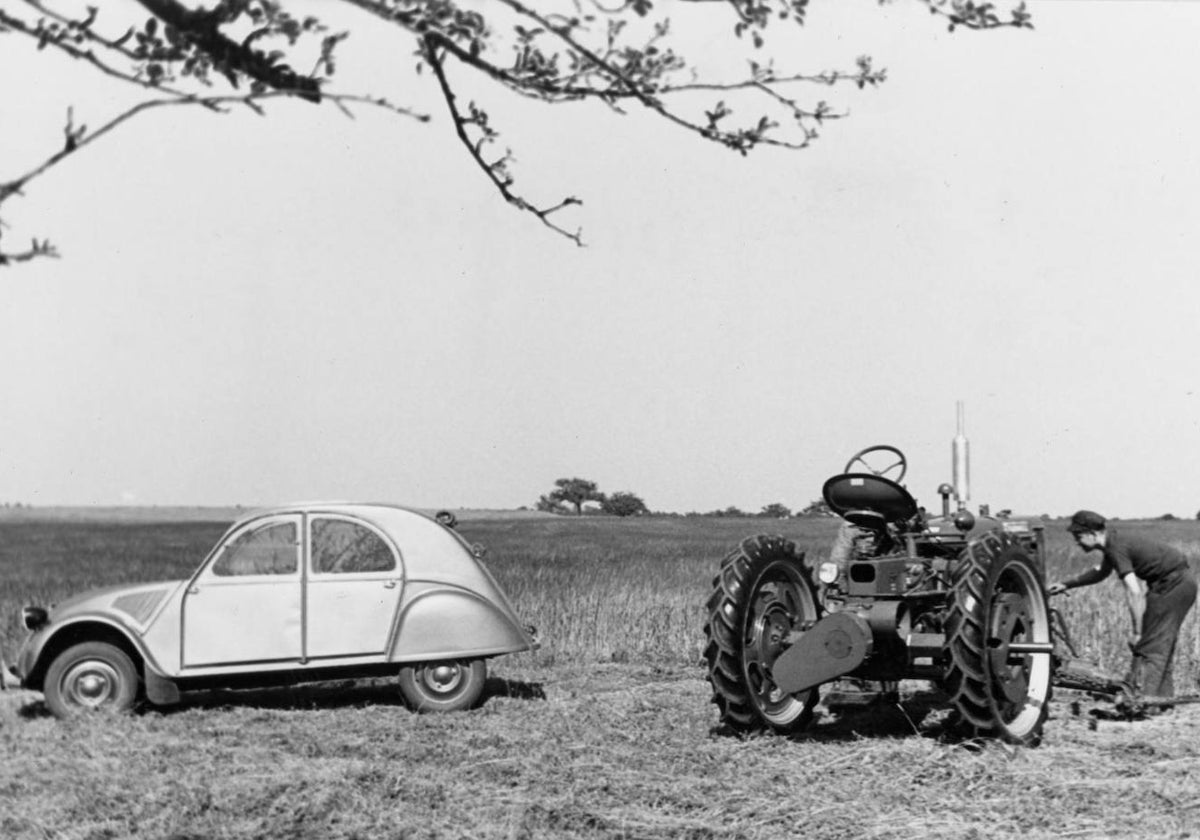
(448,622)
(39,650)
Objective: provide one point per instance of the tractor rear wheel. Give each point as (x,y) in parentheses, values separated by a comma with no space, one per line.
(998,602)
(762,593)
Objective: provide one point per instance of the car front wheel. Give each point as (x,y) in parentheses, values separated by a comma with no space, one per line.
(446,686)
(91,677)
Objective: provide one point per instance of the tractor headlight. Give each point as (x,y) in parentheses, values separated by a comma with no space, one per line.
(828,572)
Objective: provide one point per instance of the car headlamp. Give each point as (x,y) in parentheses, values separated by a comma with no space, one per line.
(827,572)
(34,617)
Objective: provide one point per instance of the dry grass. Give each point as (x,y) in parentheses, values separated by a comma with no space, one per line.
(606,732)
(611,751)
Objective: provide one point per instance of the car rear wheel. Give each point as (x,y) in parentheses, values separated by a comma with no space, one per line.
(446,686)
(91,677)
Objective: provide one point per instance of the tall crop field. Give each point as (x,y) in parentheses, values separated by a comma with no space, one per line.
(598,589)
(634,590)
(44,561)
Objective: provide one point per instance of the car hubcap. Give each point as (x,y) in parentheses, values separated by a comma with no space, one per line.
(443,679)
(90,684)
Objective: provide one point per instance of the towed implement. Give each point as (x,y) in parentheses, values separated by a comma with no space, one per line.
(1073,672)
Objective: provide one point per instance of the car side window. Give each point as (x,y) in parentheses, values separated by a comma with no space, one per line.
(269,550)
(343,547)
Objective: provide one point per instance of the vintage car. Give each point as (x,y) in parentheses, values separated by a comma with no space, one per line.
(294,594)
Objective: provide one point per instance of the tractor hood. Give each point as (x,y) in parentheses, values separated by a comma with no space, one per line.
(944,526)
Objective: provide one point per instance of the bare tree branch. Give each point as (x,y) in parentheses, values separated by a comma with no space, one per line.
(200,27)
(614,52)
(496,170)
(36,249)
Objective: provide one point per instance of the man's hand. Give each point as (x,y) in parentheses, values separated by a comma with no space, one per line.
(1056,589)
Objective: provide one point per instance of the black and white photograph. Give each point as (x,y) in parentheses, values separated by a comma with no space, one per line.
(596,419)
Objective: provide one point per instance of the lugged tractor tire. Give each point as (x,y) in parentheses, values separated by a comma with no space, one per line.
(762,593)
(998,598)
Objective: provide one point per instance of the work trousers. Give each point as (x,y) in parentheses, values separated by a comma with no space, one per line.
(1167,604)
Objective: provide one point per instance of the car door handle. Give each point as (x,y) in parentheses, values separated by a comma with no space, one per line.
(194,590)
(391,584)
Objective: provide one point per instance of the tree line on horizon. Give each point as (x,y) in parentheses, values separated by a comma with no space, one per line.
(582,496)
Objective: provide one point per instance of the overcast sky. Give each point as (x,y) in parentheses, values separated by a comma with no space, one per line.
(261,310)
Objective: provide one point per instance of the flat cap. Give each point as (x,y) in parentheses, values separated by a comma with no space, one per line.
(1086,520)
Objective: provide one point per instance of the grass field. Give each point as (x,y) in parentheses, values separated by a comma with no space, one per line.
(605,732)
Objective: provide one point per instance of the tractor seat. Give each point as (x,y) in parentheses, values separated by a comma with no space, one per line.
(867,500)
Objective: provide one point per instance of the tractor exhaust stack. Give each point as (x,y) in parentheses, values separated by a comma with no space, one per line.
(961,454)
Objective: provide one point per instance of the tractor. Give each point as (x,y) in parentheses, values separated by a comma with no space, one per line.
(954,598)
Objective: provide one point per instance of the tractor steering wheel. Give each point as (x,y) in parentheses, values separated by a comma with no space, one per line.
(860,458)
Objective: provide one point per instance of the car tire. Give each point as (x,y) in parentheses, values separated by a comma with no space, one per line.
(91,677)
(446,686)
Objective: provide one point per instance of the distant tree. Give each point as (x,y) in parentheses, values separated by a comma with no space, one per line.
(548,505)
(1168,517)
(775,510)
(623,504)
(574,492)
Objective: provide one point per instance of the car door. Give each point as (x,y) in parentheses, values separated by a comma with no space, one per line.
(353,590)
(245,606)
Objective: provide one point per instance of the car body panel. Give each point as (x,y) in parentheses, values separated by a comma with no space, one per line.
(370,585)
(248,621)
(245,604)
(350,617)
(425,634)
(351,609)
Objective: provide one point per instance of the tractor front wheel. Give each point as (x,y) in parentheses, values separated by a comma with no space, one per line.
(761,595)
(998,678)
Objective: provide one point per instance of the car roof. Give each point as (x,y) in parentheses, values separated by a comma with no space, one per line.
(331,506)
